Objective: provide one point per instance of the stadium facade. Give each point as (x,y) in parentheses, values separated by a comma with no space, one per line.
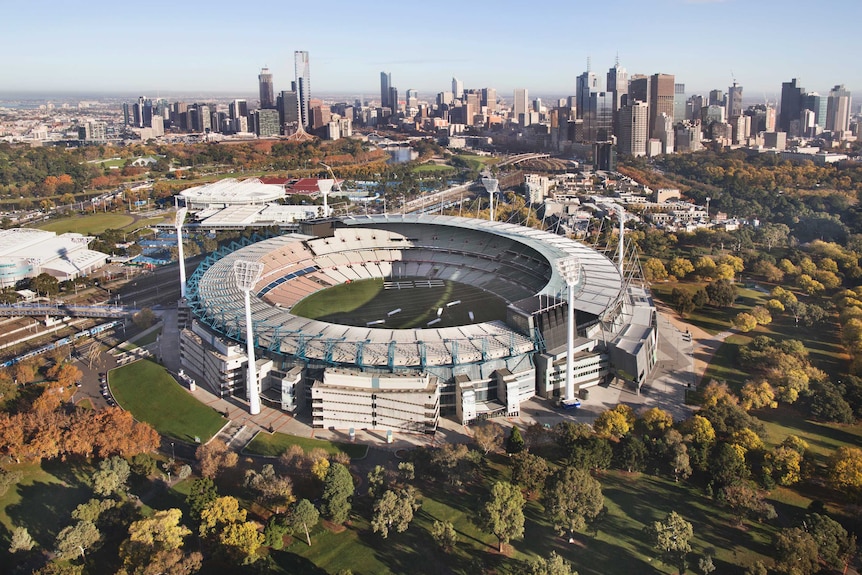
(26,252)
(372,377)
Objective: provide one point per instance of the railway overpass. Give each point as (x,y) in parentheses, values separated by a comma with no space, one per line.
(63,310)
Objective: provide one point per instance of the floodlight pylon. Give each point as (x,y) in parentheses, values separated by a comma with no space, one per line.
(178,224)
(492,186)
(570,270)
(325,186)
(247,273)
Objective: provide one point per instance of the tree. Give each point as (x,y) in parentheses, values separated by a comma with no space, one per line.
(680,267)
(553,565)
(503,512)
(215,457)
(670,538)
(337,491)
(203,492)
(219,513)
(796,552)
(571,498)
(111,476)
(488,435)
(406,471)
(21,540)
(303,514)
(721,293)
(654,421)
(515,443)
(444,534)
(835,546)
(611,423)
(757,394)
(630,454)
(270,488)
(376,481)
(727,464)
(75,539)
(529,471)
(144,318)
(242,540)
(683,301)
(654,270)
(744,322)
(394,510)
(845,470)
(8,478)
(153,540)
(785,465)
(745,501)
(45,284)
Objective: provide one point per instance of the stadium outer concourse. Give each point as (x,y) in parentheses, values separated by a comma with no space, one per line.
(372,377)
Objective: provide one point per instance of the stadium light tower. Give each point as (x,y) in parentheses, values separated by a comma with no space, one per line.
(492,186)
(247,273)
(570,269)
(622,237)
(325,186)
(178,223)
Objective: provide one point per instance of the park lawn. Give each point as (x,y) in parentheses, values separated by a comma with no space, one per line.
(148,338)
(274,444)
(92,224)
(432,168)
(822,438)
(42,501)
(152,395)
(147,222)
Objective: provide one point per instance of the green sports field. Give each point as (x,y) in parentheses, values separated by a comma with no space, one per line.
(90,224)
(361,303)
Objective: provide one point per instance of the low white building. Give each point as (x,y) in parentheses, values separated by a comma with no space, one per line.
(26,252)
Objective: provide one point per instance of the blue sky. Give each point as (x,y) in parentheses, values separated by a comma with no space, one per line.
(195,46)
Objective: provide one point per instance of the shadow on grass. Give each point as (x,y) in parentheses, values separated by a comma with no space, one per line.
(293,563)
(45,509)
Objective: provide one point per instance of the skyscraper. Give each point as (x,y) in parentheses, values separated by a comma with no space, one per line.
(632,134)
(679,102)
(587,82)
(838,109)
(385,84)
(791,104)
(661,92)
(303,86)
(618,84)
(520,107)
(267,95)
(457,88)
(817,104)
(734,102)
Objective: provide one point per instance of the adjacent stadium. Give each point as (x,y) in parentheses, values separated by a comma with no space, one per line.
(392,321)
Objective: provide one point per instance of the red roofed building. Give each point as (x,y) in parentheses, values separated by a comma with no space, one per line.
(305,186)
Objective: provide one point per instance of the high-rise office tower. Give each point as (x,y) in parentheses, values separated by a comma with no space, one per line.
(586,83)
(639,88)
(393,99)
(489,99)
(817,104)
(267,95)
(288,111)
(734,102)
(693,107)
(618,84)
(599,117)
(303,86)
(791,104)
(661,92)
(412,98)
(663,132)
(632,133)
(457,88)
(838,109)
(385,84)
(521,106)
(679,101)
(473,103)
(716,98)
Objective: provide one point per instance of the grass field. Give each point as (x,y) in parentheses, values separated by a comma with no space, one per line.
(432,169)
(274,444)
(92,224)
(152,395)
(361,302)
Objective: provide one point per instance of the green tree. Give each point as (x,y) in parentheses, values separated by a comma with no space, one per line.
(671,537)
(721,292)
(654,270)
(337,492)
(203,492)
(680,267)
(394,510)
(111,476)
(503,513)
(21,540)
(45,284)
(76,539)
(745,501)
(553,565)
(444,534)
(571,498)
(376,481)
(796,552)
(515,443)
(744,322)
(303,514)
(269,487)
(835,546)
(529,471)
(406,471)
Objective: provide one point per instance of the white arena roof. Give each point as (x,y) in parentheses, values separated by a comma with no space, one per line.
(231,191)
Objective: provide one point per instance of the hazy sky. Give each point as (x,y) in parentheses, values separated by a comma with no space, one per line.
(195,46)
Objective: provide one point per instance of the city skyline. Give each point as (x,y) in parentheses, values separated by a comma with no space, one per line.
(151,55)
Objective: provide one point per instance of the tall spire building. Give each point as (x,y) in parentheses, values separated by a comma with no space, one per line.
(267,95)
(385,84)
(303,86)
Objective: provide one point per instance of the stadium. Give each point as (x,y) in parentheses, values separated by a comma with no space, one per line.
(438,316)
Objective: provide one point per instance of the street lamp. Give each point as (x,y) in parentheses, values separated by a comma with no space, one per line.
(570,269)
(247,273)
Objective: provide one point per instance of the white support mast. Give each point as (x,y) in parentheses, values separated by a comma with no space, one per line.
(570,269)
(247,273)
(178,224)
